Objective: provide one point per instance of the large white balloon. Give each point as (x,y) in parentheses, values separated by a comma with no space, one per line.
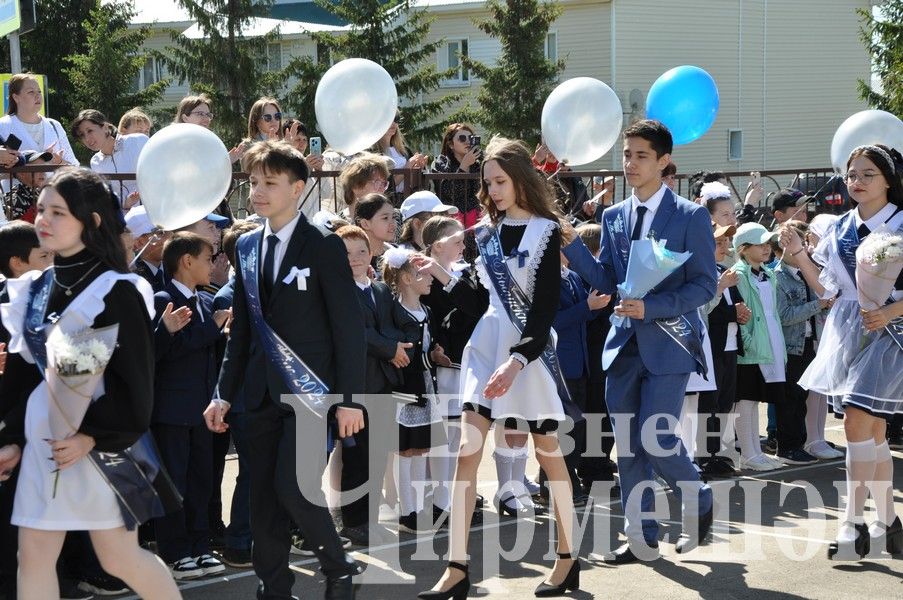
(183,173)
(355,104)
(863,128)
(581,120)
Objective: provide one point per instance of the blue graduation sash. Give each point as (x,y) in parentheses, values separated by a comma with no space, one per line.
(130,473)
(677,328)
(517,305)
(847,243)
(299,378)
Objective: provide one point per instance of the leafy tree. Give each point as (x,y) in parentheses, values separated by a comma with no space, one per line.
(514,90)
(224,64)
(393,34)
(102,76)
(883,36)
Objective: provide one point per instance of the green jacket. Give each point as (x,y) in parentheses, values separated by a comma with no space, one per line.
(756,343)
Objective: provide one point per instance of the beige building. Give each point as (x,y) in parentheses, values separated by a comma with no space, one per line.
(786,71)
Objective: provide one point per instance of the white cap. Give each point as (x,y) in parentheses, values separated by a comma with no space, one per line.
(137,221)
(424,201)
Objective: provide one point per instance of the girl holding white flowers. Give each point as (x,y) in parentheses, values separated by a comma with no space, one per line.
(88,286)
(859,364)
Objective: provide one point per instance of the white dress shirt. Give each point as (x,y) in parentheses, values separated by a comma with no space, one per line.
(878,219)
(651,205)
(126,149)
(284,235)
(183,289)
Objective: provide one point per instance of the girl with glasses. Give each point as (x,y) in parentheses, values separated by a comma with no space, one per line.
(265,120)
(459,156)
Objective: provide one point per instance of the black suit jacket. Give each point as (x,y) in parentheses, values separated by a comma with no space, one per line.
(382,338)
(324,324)
(186,361)
(719,318)
(142,269)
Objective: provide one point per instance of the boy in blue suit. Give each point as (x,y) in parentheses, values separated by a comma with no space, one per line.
(183,384)
(649,362)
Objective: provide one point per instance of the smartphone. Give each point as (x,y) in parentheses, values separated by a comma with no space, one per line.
(12,142)
(315,145)
(754,178)
(474,141)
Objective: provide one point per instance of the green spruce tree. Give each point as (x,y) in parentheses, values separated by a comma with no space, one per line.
(514,90)
(883,36)
(103,76)
(389,32)
(224,64)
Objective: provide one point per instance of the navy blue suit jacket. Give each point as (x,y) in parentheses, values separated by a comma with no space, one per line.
(686,227)
(570,325)
(186,363)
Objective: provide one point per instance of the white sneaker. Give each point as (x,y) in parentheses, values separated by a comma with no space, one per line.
(533,488)
(821,450)
(209,564)
(185,568)
(760,463)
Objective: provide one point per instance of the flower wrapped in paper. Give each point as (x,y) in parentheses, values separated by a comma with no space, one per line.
(879,260)
(649,264)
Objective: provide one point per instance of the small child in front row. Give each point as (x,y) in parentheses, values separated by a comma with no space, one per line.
(418,385)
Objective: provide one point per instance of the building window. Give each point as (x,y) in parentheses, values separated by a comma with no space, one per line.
(150,73)
(274,57)
(450,58)
(552,46)
(735,144)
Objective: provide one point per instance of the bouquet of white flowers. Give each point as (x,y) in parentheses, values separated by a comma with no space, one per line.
(879,260)
(650,263)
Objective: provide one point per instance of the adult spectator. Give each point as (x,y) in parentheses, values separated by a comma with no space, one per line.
(570,192)
(460,154)
(114,153)
(26,123)
(265,121)
(367,173)
(392,145)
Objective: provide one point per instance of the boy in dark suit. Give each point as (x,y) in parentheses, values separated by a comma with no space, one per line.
(293,282)
(184,381)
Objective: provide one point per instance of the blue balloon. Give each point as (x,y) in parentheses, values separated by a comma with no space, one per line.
(685,99)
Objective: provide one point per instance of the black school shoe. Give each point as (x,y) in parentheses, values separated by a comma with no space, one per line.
(797,456)
(103,585)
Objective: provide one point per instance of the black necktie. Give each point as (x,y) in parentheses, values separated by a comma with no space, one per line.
(193,305)
(160,282)
(863,231)
(638,227)
(368,297)
(269,263)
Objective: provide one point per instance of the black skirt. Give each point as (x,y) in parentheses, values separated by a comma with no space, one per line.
(752,386)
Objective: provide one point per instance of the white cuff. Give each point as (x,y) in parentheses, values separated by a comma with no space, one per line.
(520,358)
(447,288)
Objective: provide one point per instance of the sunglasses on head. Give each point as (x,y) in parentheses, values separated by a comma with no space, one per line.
(268,118)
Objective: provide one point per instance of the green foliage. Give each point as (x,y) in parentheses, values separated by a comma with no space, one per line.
(103,75)
(884,39)
(224,64)
(389,32)
(514,90)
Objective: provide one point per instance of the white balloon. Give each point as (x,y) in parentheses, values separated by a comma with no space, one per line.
(863,128)
(355,104)
(183,173)
(581,120)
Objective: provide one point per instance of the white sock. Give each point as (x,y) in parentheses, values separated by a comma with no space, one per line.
(389,486)
(748,429)
(419,480)
(860,471)
(406,493)
(442,464)
(882,486)
(816,413)
(518,472)
(728,432)
(689,420)
(504,463)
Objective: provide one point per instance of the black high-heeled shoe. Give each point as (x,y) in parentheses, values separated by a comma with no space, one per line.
(890,539)
(571,582)
(458,591)
(506,510)
(854,550)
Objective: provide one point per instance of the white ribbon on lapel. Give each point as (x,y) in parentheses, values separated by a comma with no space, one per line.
(300,275)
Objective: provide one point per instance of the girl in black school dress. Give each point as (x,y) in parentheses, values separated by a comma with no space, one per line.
(89,286)
(503,373)
(375,214)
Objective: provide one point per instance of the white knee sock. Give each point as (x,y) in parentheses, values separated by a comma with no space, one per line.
(882,486)
(442,464)
(689,420)
(504,463)
(748,428)
(518,472)
(406,493)
(860,471)
(419,481)
(816,413)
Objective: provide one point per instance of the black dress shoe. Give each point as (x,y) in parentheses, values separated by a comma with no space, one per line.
(689,541)
(458,591)
(624,554)
(571,582)
(889,539)
(851,550)
(341,588)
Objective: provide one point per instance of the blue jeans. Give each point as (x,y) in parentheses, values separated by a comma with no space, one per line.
(238,532)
